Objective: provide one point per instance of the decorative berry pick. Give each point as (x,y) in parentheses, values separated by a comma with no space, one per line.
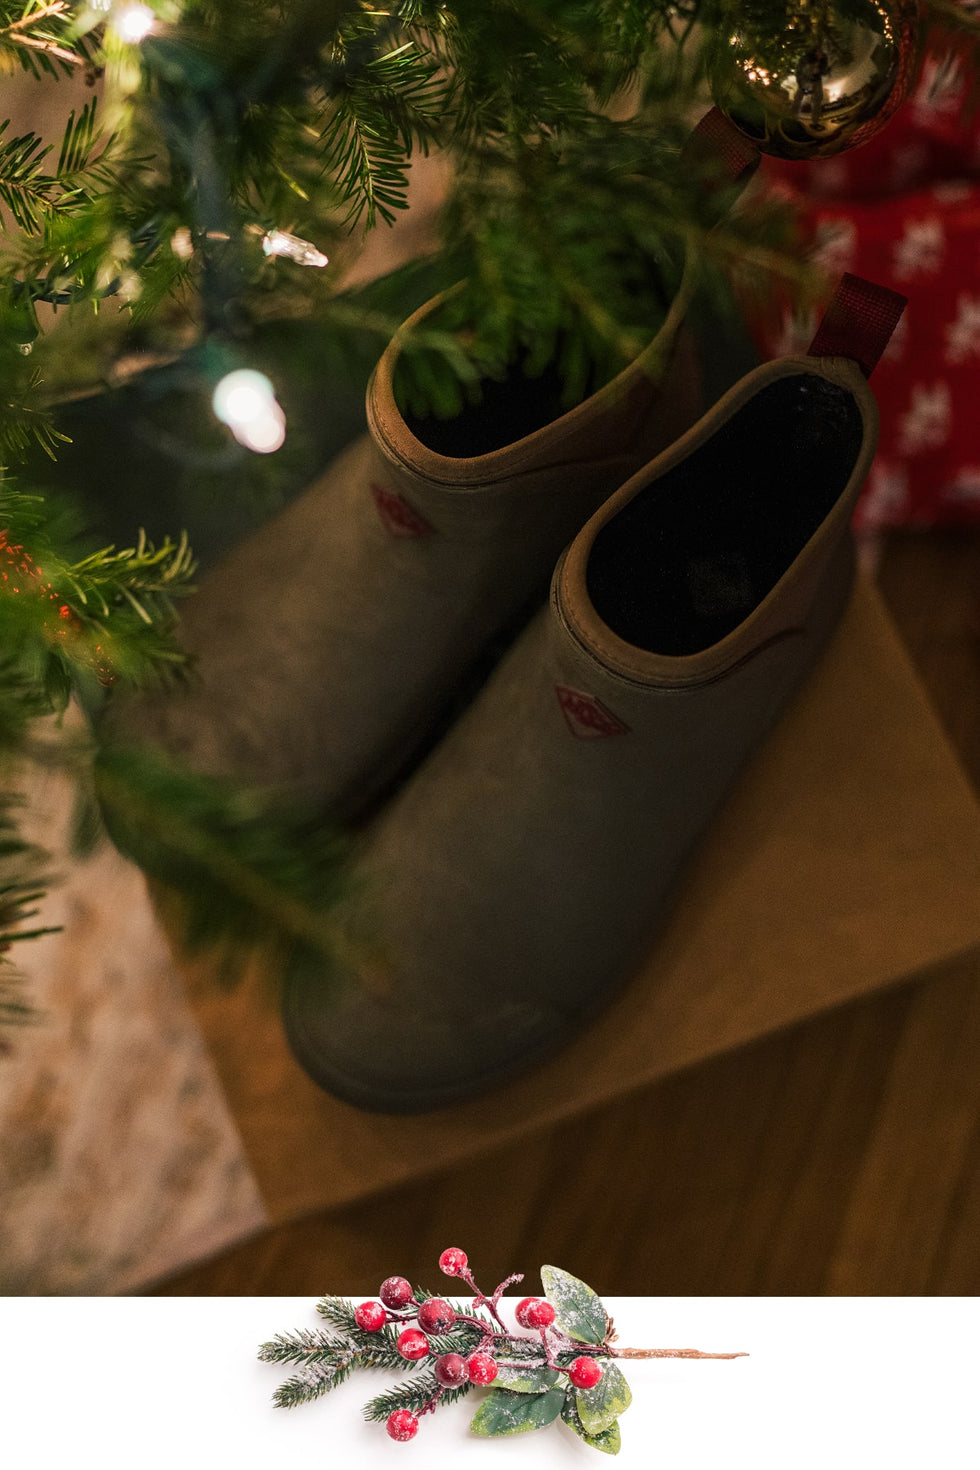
(567,1369)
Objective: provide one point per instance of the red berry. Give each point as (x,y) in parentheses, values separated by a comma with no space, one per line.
(402,1425)
(533,1312)
(453,1261)
(450,1370)
(585,1372)
(412,1344)
(370,1316)
(523,1308)
(395,1292)
(481,1368)
(436,1316)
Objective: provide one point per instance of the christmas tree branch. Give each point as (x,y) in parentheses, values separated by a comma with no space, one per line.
(246,869)
(44,36)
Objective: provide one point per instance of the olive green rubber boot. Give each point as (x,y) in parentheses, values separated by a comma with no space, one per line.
(513,883)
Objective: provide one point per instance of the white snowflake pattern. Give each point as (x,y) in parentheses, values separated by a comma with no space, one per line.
(940,90)
(886,499)
(966,485)
(795,334)
(951,191)
(920,250)
(963,334)
(926,423)
(835,246)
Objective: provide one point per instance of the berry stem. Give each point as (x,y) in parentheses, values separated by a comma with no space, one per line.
(407,1313)
(549,1355)
(488,1332)
(429,1406)
(612,1352)
(490,1302)
(511,1280)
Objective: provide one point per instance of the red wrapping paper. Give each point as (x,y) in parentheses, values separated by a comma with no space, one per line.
(904,211)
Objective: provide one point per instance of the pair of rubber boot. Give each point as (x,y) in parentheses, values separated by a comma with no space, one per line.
(698,566)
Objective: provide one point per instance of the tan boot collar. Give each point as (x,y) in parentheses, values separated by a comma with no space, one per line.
(773,617)
(546,446)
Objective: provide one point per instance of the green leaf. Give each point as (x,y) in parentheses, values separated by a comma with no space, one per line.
(503,1412)
(608,1441)
(599,1407)
(530,1379)
(578,1311)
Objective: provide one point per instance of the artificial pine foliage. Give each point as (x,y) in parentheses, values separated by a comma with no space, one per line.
(412,1395)
(327,1360)
(227,148)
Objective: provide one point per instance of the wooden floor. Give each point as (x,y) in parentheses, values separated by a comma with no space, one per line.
(840,1157)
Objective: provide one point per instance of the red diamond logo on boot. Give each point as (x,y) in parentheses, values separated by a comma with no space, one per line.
(398,517)
(586,716)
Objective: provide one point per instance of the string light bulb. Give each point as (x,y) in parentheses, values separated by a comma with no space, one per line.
(277,242)
(182,243)
(245,400)
(132,21)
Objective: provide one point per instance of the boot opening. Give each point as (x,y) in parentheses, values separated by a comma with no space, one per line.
(514,400)
(509,409)
(692,555)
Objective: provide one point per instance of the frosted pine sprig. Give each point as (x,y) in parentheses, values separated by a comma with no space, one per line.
(304,1346)
(312,1382)
(413,1396)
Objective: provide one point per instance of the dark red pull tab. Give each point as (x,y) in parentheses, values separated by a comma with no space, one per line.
(858,322)
(716,146)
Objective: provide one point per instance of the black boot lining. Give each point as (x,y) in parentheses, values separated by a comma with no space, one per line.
(694,553)
(509,409)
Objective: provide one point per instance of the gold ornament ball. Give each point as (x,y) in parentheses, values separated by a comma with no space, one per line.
(828,79)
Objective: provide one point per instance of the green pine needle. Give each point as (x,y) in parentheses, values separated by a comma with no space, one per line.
(249,869)
(383,107)
(31,193)
(328,1360)
(24,423)
(303,1346)
(415,1395)
(339,1312)
(40,37)
(311,1383)
(144,577)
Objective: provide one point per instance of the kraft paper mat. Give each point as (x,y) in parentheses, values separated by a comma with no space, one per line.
(846,860)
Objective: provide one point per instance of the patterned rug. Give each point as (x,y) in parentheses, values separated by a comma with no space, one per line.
(119,1159)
